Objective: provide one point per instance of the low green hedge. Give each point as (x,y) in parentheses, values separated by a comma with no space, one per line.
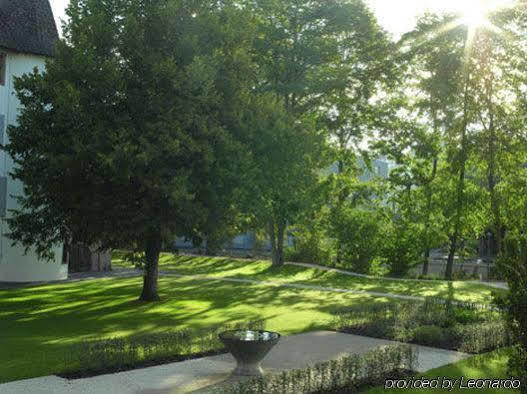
(464,327)
(119,354)
(341,375)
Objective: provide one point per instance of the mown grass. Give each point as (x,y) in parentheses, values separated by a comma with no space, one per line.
(486,366)
(263,270)
(40,325)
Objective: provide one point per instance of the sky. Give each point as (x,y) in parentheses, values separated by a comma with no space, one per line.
(396,16)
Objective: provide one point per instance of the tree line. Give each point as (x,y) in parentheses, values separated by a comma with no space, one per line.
(202,119)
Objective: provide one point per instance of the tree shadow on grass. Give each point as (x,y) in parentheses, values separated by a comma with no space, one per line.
(40,324)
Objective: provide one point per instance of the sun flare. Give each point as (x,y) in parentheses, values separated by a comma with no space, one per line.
(475,17)
(476,14)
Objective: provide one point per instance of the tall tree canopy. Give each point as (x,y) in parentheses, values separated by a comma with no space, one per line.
(314,56)
(131,136)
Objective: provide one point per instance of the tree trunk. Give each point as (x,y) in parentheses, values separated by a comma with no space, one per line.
(461,184)
(450,262)
(277,242)
(213,245)
(151,270)
(425,262)
(341,198)
(427,219)
(492,178)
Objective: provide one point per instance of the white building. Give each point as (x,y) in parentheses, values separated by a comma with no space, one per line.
(27,37)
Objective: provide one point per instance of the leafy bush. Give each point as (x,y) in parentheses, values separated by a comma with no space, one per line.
(357,231)
(118,354)
(513,264)
(429,335)
(518,365)
(401,247)
(482,337)
(466,316)
(332,376)
(466,327)
(308,248)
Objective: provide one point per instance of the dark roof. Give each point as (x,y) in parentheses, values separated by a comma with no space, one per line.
(27,26)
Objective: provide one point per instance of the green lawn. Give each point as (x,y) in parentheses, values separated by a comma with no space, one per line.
(38,324)
(262,270)
(486,366)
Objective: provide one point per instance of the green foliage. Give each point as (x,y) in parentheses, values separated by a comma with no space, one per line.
(401,246)
(434,322)
(127,138)
(307,54)
(345,373)
(286,155)
(429,335)
(309,247)
(514,266)
(118,354)
(483,337)
(358,233)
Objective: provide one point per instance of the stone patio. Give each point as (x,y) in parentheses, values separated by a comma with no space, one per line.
(199,375)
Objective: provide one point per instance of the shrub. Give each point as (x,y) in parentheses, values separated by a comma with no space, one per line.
(513,264)
(401,247)
(346,373)
(307,250)
(118,354)
(466,327)
(357,232)
(429,335)
(482,337)
(466,316)
(310,243)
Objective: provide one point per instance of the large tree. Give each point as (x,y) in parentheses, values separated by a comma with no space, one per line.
(311,55)
(421,111)
(287,152)
(130,135)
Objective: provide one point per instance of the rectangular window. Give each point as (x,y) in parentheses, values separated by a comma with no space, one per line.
(3,61)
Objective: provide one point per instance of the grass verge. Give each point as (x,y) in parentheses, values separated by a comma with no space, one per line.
(486,366)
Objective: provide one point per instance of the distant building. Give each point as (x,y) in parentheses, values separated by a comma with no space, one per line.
(27,36)
(380,167)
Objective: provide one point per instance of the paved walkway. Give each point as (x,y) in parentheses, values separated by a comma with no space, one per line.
(498,285)
(77,277)
(127,273)
(124,273)
(296,351)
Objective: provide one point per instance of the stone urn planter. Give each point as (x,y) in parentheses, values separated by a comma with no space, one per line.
(249,349)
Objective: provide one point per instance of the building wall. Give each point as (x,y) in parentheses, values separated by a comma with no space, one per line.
(15,266)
